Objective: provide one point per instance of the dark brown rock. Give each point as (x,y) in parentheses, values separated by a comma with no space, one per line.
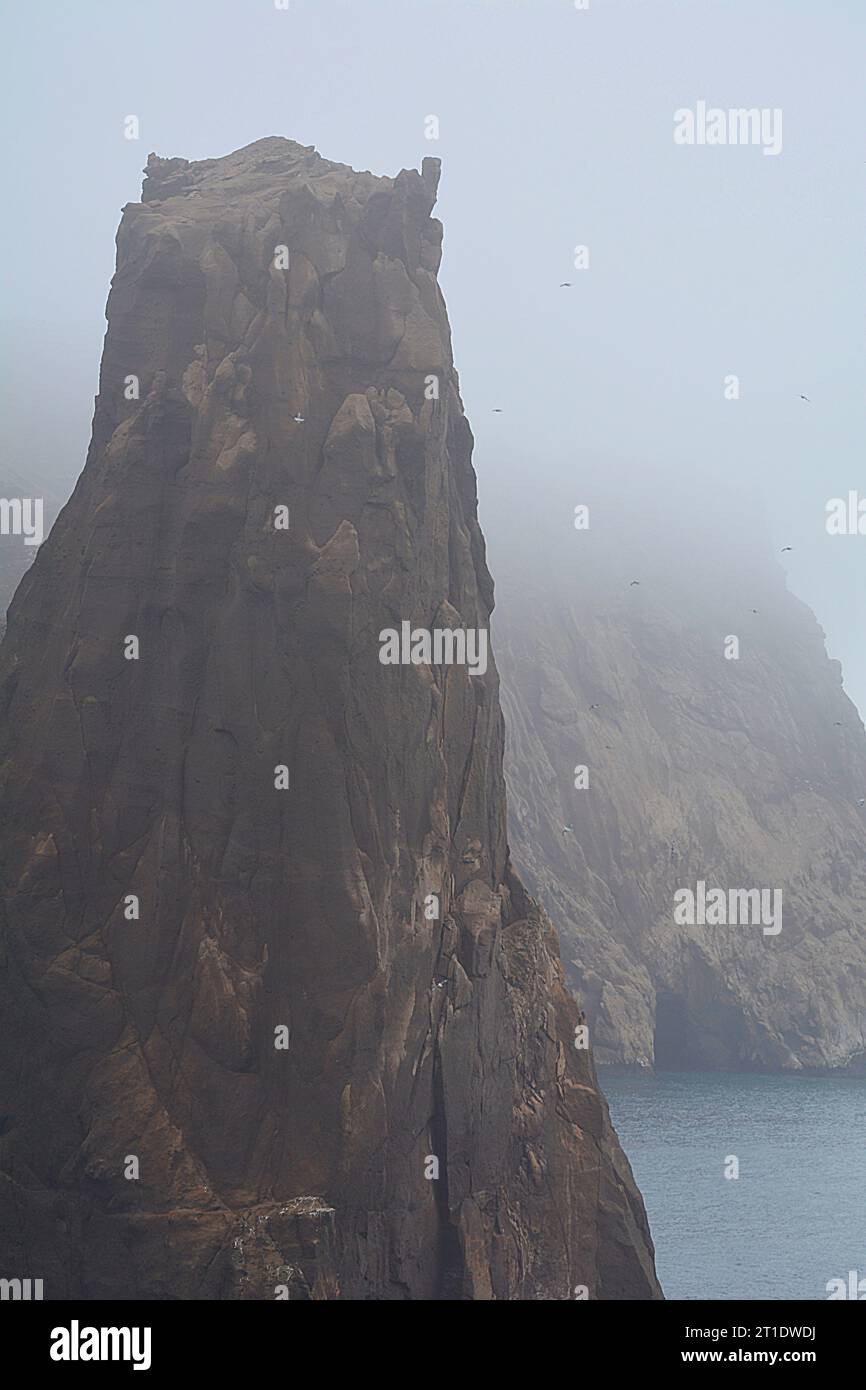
(302,1168)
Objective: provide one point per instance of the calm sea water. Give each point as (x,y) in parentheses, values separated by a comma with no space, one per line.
(796,1216)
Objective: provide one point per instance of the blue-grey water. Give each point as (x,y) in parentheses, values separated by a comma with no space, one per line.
(796,1216)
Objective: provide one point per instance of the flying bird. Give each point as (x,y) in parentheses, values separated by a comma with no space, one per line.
(786,547)
(298,419)
(861,801)
(566,285)
(754,610)
(595,706)
(804,398)
(633,582)
(567,830)
(497,411)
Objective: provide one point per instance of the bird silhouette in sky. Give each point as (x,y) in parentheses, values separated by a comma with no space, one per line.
(496,410)
(566,285)
(786,547)
(633,582)
(805,398)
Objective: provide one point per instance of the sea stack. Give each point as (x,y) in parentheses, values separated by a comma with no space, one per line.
(278,1018)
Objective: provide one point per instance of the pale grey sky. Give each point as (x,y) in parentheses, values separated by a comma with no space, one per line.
(556,128)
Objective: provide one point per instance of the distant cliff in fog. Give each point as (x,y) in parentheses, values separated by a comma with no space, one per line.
(720,753)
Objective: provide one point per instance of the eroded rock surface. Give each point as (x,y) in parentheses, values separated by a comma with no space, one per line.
(264,909)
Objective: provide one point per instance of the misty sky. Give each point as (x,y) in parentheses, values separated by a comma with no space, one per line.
(556,129)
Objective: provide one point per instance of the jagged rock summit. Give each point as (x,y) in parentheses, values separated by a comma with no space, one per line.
(267,970)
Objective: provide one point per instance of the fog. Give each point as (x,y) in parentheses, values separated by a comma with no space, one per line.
(556,130)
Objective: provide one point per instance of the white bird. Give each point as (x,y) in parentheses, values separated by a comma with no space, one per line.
(298,419)
(567,830)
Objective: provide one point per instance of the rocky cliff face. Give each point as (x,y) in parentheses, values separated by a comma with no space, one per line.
(743,772)
(265,962)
